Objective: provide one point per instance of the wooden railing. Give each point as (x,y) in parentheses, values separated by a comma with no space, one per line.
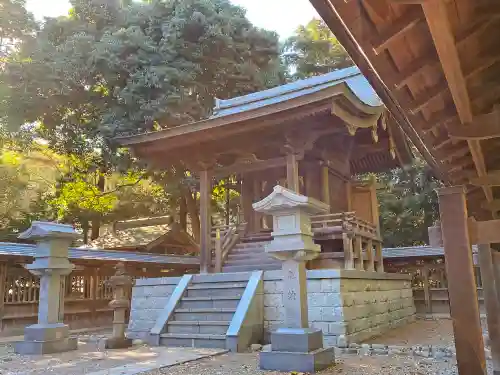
(225,237)
(343,222)
(361,242)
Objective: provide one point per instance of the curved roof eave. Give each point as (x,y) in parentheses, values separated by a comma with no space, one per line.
(347,82)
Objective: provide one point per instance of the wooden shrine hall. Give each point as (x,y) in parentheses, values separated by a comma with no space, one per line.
(311,136)
(436,66)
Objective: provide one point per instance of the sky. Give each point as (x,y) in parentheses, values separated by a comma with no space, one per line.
(282,16)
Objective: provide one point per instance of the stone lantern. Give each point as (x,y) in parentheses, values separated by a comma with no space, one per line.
(121,284)
(296,347)
(50,334)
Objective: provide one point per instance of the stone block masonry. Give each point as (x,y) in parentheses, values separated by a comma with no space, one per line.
(355,305)
(149,297)
(350,304)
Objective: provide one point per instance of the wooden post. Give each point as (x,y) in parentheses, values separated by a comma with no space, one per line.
(462,291)
(3,282)
(369,256)
(218,252)
(427,292)
(325,185)
(257,196)
(292,172)
(94,277)
(358,253)
(348,252)
(205,222)
(379,258)
(491,303)
(246,202)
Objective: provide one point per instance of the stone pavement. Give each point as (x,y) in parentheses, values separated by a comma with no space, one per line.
(89,359)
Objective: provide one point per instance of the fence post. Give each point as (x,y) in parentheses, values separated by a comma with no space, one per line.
(218,252)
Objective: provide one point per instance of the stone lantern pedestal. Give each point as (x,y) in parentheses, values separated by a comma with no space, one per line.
(296,347)
(120,283)
(50,334)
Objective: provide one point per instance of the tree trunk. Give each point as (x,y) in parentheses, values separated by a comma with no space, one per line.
(183,213)
(192,209)
(85,229)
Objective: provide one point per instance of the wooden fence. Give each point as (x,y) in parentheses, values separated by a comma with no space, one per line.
(86,292)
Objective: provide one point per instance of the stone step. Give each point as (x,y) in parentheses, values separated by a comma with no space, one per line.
(204,327)
(191,340)
(227,302)
(222,277)
(248,251)
(248,268)
(252,262)
(204,314)
(235,289)
(247,245)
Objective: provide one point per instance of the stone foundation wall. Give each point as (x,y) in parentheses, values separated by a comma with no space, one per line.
(352,305)
(149,297)
(348,306)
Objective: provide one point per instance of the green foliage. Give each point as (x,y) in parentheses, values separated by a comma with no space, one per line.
(408,204)
(314,50)
(119,67)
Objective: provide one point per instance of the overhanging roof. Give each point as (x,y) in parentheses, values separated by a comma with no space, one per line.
(27,251)
(436,65)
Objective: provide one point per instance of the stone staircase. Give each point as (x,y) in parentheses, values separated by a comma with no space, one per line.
(250,255)
(202,316)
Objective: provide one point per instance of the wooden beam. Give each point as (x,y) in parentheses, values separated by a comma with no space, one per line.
(483,232)
(397,29)
(485,126)
(252,167)
(439,26)
(491,179)
(438,119)
(454,152)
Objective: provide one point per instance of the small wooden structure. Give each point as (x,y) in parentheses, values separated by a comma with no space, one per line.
(87,295)
(311,135)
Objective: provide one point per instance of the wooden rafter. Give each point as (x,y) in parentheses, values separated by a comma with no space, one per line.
(397,29)
(439,26)
(485,126)
(416,67)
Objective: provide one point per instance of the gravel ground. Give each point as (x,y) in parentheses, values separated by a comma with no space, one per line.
(247,364)
(421,332)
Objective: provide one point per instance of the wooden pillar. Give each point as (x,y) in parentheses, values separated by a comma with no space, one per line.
(427,292)
(268,189)
(246,203)
(3,282)
(94,282)
(257,196)
(325,184)
(379,258)
(491,303)
(358,253)
(205,221)
(348,252)
(462,291)
(292,172)
(370,265)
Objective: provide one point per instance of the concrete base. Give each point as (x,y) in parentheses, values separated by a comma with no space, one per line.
(317,360)
(116,343)
(46,339)
(302,340)
(46,347)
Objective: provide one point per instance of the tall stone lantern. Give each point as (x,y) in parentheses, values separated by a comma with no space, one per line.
(50,334)
(296,347)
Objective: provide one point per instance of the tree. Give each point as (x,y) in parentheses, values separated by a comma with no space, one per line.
(408,204)
(16,24)
(113,67)
(314,50)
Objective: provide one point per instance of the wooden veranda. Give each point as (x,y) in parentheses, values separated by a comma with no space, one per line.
(436,64)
